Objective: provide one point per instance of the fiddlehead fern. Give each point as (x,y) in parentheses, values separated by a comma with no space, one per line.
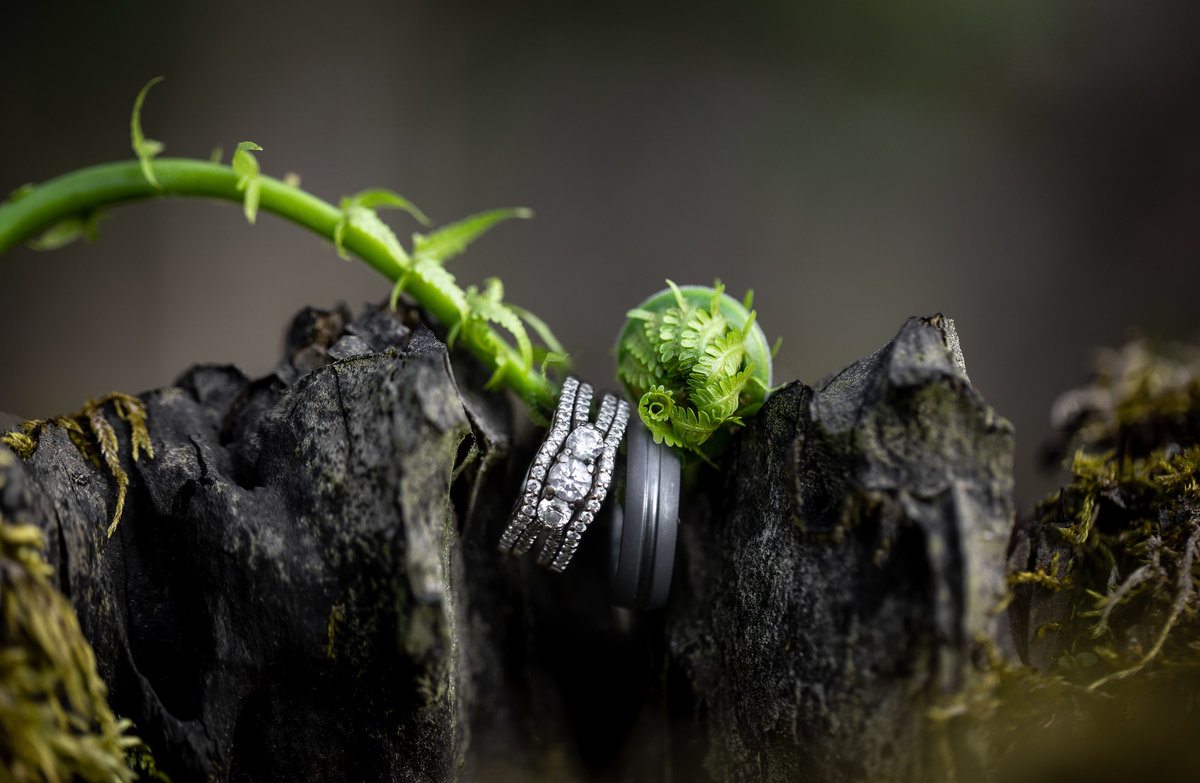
(695,360)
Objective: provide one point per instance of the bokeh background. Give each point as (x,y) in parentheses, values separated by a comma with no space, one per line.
(1030,168)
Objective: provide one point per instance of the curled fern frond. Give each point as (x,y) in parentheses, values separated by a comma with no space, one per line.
(692,428)
(637,363)
(722,358)
(657,409)
(719,396)
(657,405)
(696,360)
(669,326)
(701,331)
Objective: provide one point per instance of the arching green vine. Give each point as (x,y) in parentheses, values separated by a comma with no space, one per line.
(692,356)
(67,207)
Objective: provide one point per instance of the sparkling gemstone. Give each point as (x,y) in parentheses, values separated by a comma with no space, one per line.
(554,513)
(569,479)
(593,506)
(538,472)
(585,443)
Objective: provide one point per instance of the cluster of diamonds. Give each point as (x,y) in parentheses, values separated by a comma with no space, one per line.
(569,477)
(560,425)
(613,418)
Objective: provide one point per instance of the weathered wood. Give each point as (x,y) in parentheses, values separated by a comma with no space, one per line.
(276,602)
(839,582)
(305,585)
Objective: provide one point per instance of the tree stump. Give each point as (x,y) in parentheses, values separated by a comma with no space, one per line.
(304,583)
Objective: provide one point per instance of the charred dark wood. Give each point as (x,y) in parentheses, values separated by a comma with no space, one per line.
(305,586)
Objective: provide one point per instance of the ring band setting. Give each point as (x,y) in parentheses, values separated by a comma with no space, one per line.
(644,530)
(570,476)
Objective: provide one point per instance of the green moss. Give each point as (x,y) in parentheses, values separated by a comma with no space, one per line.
(1126,529)
(1142,397)
(55,723)
(1111,593)
(1129,536)
(333,626)
(95,438)
(141,761)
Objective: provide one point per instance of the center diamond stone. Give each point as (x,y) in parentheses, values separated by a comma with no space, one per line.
(570,479)
(553,512)
(585,442)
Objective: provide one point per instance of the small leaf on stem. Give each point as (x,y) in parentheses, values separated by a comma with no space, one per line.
(145,149)
(451,240)
(67,231)
(380,198)
(245,165)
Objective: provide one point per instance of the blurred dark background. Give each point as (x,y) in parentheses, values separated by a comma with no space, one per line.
(1030,168)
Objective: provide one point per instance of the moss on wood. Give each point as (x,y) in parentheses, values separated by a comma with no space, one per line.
(55,722)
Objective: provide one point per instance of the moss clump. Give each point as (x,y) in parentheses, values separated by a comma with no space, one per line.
(1129,533)
(1123,536)
(1143,397)
(140,759)
(95,438)
(55,724)
(1105,595)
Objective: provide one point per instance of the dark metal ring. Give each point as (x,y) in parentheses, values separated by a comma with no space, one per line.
(643,532)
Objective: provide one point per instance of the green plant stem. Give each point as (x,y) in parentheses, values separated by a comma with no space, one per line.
(91,189)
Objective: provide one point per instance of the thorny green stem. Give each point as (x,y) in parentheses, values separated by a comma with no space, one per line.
(91,189)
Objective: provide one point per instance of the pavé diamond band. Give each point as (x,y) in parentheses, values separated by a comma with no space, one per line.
(569,478)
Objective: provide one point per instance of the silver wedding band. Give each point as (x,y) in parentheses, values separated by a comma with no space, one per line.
(569,478)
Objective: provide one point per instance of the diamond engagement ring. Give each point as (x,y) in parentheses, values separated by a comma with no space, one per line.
(569,478)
